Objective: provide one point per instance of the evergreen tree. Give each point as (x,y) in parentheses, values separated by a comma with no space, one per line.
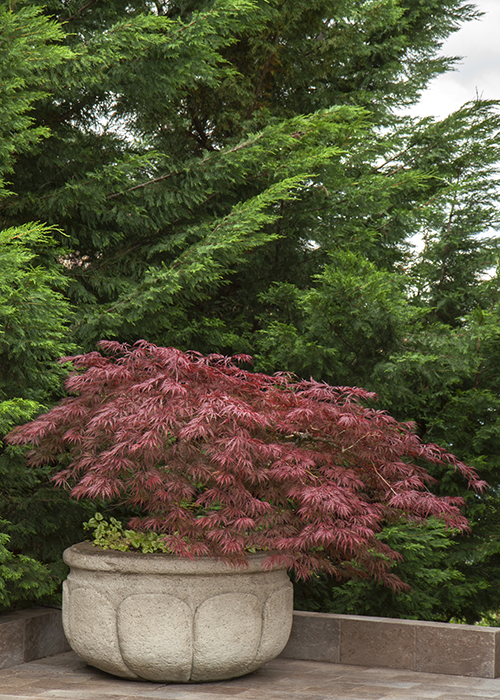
(176,124)
(36,522)
(436,584)
(231,175)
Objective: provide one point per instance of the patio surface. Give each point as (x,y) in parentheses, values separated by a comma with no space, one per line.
(67,677)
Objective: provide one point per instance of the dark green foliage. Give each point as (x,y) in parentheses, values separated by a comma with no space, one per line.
(236,139)
(27,53)
(34,316)
(37,521)
(231,175)
(423,334)
(437,585)
(22,580)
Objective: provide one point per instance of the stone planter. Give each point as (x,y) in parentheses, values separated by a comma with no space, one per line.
(162,618)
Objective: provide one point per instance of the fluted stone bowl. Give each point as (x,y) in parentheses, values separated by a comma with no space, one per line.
(161,618)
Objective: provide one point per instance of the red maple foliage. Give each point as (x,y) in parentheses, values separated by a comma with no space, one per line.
(223,461)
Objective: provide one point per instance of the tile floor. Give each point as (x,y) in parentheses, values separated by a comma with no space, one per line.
(66,677)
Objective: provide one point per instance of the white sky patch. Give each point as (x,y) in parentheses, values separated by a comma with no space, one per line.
(477,73)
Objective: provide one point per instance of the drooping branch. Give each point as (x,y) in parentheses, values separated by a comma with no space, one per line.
(221,460)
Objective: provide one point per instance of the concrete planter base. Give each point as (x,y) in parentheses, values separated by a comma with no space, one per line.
(161,618)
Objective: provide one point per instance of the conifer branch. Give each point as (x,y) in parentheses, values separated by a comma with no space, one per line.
(79,11)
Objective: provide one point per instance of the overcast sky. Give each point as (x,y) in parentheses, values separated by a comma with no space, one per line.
(478,71)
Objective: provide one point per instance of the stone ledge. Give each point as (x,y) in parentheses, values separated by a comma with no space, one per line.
(428,647)
(26,635)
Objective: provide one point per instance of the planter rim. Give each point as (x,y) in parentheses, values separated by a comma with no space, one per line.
(85,555)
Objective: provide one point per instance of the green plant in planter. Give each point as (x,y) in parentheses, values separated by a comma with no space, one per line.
(219,461)
(112,535)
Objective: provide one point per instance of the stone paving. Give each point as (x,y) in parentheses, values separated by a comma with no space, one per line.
(66,677)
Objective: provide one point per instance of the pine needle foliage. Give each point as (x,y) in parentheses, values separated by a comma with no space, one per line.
(222,461)
(235,176)
(23,580)
(25,59)
(436,584)
(253,123)
(37,520)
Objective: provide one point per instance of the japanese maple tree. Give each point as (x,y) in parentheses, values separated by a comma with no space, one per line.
(222,461)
